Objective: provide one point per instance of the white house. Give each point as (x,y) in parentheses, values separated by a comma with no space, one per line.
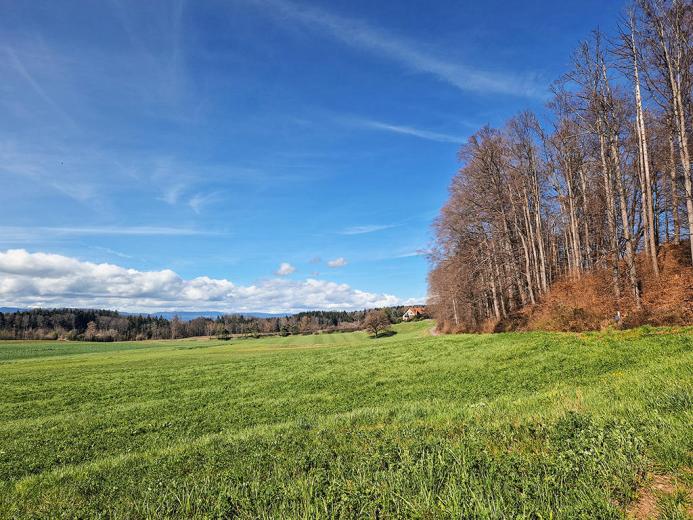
(414,312)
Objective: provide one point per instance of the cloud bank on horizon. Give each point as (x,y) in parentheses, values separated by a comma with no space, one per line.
(51,280)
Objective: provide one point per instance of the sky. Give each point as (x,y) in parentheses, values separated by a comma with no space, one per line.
(251,155)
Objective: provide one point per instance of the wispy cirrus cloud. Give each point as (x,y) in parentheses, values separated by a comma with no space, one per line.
(198,201)
(171,194)
(113,252)
(408,53)
(412,131)
(362,230)
(410,254)
(55,168)
(36,87)
(26,232)
(179,181)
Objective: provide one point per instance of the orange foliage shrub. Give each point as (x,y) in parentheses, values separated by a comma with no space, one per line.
(587,303)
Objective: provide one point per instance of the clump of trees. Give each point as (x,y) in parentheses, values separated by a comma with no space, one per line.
(104,325)
(606,178)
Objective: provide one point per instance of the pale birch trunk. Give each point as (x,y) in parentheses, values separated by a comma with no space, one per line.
(674,191)
(647,201)
(610,218)
(627,234)
(674,72)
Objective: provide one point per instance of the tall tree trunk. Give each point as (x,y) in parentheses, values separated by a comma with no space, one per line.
(674,191)
(542,254)
(673,72)
(648,202)
(513,261)
(612,131)
(627,233)
(536,194)
(574,231)
(499,303)
(532,241)
(586,230)
(610,218)
(528,270)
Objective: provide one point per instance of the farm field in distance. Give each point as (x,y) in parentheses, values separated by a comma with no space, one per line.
(520,425)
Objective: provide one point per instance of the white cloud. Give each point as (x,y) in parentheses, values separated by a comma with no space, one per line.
(51,280)
(362,230)
(285,268)
(337,262)
(410,54)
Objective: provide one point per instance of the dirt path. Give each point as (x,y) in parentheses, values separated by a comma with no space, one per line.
(659,487)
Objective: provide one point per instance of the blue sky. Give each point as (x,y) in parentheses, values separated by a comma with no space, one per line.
(219,140)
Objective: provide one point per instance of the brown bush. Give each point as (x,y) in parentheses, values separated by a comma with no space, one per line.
(586,303)
(560,317)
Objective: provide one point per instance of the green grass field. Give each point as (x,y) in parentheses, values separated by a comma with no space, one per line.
(523,425)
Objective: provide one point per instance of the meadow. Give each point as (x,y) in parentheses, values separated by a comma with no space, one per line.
(518,425)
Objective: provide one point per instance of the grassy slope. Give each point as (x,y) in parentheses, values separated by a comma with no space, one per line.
(342,425)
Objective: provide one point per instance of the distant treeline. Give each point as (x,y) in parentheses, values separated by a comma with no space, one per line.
(103,325)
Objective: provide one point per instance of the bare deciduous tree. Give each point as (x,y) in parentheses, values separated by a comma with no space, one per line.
(376,322)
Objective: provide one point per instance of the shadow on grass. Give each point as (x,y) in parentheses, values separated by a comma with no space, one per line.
(385,334)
